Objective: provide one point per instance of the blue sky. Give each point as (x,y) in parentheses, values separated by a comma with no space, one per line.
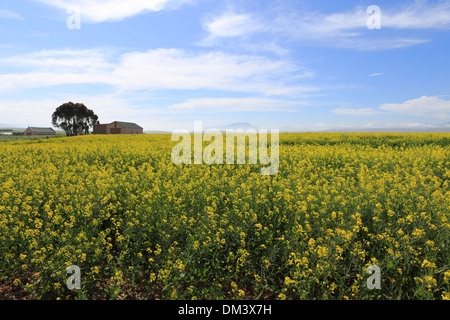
(311,65)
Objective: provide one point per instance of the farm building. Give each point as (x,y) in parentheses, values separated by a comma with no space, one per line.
(118,127)
(34,131)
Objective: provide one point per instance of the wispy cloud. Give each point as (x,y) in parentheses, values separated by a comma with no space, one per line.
(157,69)
(423,106)
(178,69)
(9,14)
(36,34)
(230,24)
(418,15)
(355,111)
(376,74)
(113,10)
(353,23)
(64,60)
(347,29)
(236,104)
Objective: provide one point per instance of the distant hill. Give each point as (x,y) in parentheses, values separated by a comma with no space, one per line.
(234,126)
(13,126)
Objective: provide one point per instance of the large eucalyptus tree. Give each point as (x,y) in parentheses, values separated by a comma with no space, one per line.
(74,118)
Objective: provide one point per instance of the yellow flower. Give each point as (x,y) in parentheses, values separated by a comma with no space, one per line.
(418,233)
(322,251)
(112,196)
(196,245)
(447,276)
(429,282)
(282,296)
(288,281)
(428,264)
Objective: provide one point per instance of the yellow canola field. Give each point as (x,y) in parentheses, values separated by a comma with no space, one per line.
(139,226)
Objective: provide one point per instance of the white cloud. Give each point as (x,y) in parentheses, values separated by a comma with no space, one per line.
(236,104)
(419,15)
(55,67)
(316,26)
(36,34)
(112,10)
(340,29)
(154,70)
(9,14)
(423,106)
(232,25)
(368,44)
(10,82)
(239,31)
(355,111)
(177,69)
(76,61)
(376,74)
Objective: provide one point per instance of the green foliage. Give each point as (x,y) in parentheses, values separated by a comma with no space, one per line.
(74,118)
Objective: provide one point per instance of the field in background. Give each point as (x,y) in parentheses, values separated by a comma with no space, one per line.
(139,226)
(4,138)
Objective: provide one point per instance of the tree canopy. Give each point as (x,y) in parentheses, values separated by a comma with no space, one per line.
(74,118)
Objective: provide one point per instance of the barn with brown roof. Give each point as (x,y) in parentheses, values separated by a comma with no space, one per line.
(35,131)
(118,127)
